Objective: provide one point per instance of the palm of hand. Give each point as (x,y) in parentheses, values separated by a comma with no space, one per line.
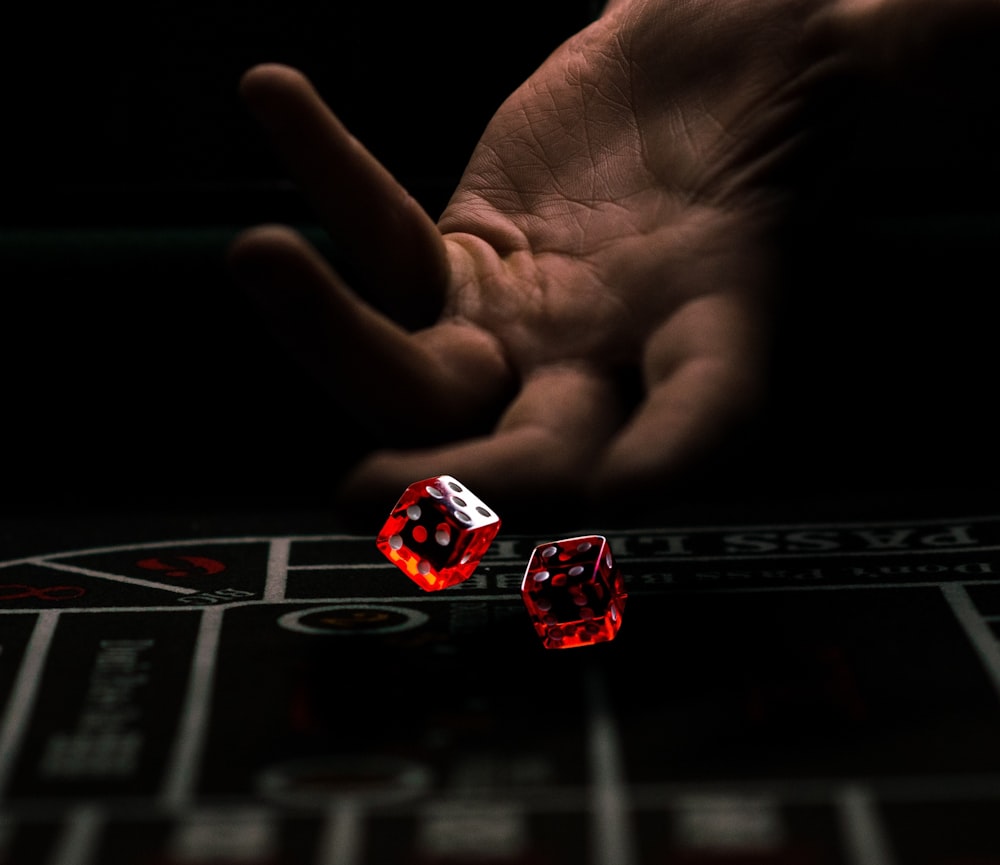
(611,219)
(595,297)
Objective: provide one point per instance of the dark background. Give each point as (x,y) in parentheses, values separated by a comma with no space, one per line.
(140,100)
(135,376)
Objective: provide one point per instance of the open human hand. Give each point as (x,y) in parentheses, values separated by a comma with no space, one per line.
(589,319)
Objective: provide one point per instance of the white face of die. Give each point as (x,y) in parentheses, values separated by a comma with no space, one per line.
(462,503)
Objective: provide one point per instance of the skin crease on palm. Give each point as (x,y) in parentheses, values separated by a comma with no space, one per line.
(590,315)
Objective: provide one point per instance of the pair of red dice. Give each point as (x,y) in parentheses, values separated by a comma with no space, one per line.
(439,531)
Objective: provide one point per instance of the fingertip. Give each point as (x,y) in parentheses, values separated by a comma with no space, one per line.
(262,247)
(265,236)
(265,78)
(270,89)
(282,274)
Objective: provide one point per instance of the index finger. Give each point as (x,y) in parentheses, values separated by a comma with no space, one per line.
(394,249)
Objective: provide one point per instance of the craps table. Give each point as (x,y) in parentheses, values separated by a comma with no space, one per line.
(779,692)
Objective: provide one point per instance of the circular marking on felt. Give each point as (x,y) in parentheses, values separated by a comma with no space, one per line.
(353,619)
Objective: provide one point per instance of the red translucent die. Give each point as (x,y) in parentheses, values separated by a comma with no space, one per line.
(438,532)
(574,592)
